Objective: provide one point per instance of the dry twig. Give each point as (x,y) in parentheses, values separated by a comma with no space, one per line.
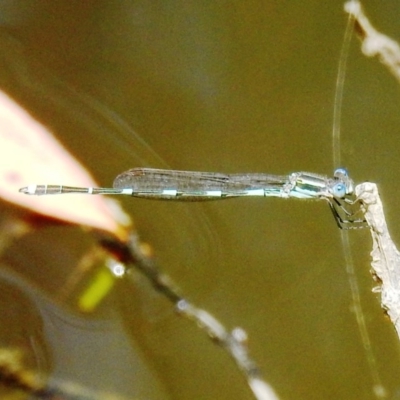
(375,43)
(385,256)
(234,342)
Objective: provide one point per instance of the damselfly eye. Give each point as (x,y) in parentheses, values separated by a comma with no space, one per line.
(339,190)
(341,173)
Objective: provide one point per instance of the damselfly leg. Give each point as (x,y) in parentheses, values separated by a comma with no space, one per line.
(347,213)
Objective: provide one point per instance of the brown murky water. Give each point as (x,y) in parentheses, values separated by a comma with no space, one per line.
(230,87)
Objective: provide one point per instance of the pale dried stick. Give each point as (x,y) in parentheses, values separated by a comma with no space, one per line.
(375,43)
(385,256)
(234,342)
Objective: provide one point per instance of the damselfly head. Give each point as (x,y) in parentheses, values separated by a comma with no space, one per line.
(342,175)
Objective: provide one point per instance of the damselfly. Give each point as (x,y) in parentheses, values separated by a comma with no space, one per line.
(162,184)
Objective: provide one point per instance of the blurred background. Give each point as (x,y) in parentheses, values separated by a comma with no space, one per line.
(214,86)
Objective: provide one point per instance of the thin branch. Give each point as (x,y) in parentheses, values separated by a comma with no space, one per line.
(375,43)
(234,342)
(133,254)
(385,256)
